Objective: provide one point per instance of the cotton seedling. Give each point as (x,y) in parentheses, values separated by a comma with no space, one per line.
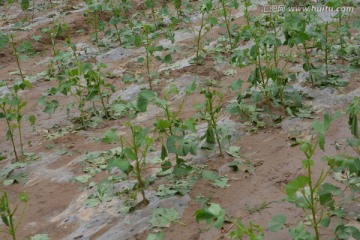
(225,12)
(207,21)
(11,109)
(316,197)
(211,111)
(7,213)
(146,37)
(173,130)
(136,149)
(93,14)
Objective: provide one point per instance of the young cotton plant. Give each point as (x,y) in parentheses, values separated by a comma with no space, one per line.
(58,31)
(86,84)
(120,15)
(134,149)
(7,214)
(318,198)
(210,111)
(93,15)
(225,7)
(173,131)
(98,90)
(296,34)
(11,110)
(20,52)
(146,37)
(269,79)
(215,216)
(207,22)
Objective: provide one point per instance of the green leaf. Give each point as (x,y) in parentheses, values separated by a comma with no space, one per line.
(236,86)
(327,122)
(307,163)
(164,191)
(191,88)
(8,182)
(162,217)
(140,60)
(212,21)
(209,175)
(92,202)
(292,187)
(23,197)
(210,136)
(322,127)
(182,169)
(118,108)
(83,178)
(168,59)
(221,182)
(234,151)
(110,136)
(51,106)
(276,223)
(356,23)
(40,237)
(36,37)
(212,214)
(299,232)
(325,222)
(174,144)
(162,124)
(129,153)
(155,236)
(32,120)
(326,192)
(121,164)
(25,5)
(144,98)
(3,40)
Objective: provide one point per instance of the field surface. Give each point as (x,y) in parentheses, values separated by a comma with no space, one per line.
(179,120)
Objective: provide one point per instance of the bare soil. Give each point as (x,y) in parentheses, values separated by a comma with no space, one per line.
(275,162)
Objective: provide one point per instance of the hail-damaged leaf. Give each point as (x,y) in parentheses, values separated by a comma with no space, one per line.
(40,237)
(155,236)
(83,178)
(144,98)
(213,214)
(234,151)
(162,217)
(276,223)
(121,164)
(110,136)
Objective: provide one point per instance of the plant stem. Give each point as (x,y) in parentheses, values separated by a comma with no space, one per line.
(12,138)
(198,41)
(326,49)
(148,60)
(138,168)
(312,204)
(13,45)
(307,59)
(153,13)
(227,22)
(213,122)
(118,34)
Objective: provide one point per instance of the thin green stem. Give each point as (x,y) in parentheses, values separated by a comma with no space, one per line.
(13,45)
